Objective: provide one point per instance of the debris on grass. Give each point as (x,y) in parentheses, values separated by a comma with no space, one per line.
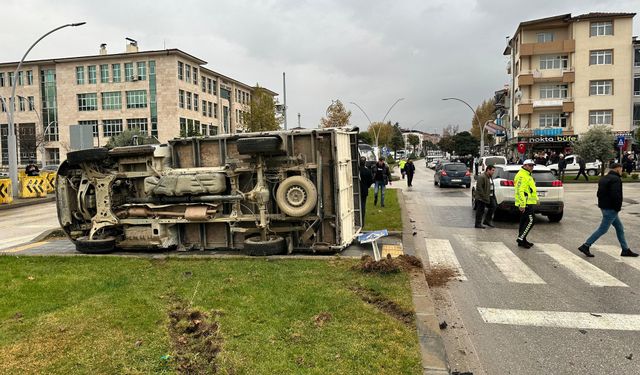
(439,276)
(385,305)
(195,338)
(322,318)
(388,264)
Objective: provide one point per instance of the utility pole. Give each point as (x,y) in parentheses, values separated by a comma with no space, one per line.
(299,120)
(284,92)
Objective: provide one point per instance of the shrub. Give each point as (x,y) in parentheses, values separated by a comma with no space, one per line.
(635,176)
(624,175)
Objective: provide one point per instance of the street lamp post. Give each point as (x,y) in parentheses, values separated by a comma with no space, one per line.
(376,134)
(11,138)
(477,120)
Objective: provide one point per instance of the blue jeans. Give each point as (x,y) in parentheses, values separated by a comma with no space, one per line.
(609,217)
(378,185)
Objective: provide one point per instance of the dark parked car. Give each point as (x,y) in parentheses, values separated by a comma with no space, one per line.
(452,174)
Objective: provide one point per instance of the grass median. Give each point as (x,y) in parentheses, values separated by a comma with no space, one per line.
(114,315)
(388,217)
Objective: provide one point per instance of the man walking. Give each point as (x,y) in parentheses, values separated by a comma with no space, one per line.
(485,197)
(610,203)
(526,197)
(583,169)
(562,165)
(366,179)
(409,169)
(381,176)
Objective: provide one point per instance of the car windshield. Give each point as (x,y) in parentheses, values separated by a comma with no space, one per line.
(455,167)
(495,160)
(538,176)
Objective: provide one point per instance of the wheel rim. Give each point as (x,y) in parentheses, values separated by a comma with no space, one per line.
(296,196)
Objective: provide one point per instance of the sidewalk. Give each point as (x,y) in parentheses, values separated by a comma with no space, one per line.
(22,202)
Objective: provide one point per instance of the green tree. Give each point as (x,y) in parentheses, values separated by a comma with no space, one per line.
(366,137)
(384,132)
(337,116)
(127,138)
(596,143)
(262,115)
(465,144)
(428,145)
(191,132)
(485,112)
(447,143)
(414,141)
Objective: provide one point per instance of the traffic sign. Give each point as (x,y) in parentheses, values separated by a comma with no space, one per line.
(620,140)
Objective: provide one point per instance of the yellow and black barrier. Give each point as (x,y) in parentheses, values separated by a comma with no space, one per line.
(5,191)
(49,181)
(33,187)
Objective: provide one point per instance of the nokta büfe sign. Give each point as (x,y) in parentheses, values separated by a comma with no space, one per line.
(549,139)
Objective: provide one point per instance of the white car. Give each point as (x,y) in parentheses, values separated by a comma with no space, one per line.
(490,160)
(573,167)
(550,191)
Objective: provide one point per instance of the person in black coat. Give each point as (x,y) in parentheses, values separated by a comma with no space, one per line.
(409,169)
(583,169)
(610,203)
(366,179)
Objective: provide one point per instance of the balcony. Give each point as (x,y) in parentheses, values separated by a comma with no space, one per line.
(529,105)
(528,77)
(558,46)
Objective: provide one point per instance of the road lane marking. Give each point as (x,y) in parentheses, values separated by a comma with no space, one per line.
(24,247)
(512,267)
(17,240)
(441,254)
(561,319)
(582,269)
(614,251)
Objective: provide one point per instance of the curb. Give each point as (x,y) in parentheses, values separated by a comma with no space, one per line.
(432,350)
(26,203)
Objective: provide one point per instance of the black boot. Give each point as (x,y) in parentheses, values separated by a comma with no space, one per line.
(584,249)
(628,253)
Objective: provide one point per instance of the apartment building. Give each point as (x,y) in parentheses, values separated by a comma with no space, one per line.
(636,83)
(162,93)
(569,73)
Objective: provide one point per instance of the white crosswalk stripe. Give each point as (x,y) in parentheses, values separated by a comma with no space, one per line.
(514,269)
(441,254)
(614,251)
(582,269)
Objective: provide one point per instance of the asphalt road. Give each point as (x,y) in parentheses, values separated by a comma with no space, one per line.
(546,310)
(23,224)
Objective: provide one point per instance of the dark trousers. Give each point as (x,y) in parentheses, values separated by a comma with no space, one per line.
(363,206)
(561,174)
(526,223)
(480,208)
(582,172)
(409,178)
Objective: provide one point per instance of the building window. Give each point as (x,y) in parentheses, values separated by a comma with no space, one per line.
(204,107)
(93,124)
(636,57)
(602,57)
(138,123)
(545,37)
(554,91)
(213,130)
(214,88)
(601,87)
(636,84)
(181,98)
(187,71)
(601,28)
(32,103)
(116,72)
(104,73)
(554,62)
(12,79)
(180,70)
(209,109)
(20,78)
(53,155)
(111,100)
(142,71)
(195,102)
(188,100)
(92,74)
(80,75)
(195,75)
(601,117)
(128,72)
(111,127)
(87,102)
(137,99)
(29,77)
(552,120)
(204,84)
(21,105)
(1,79)
(215,110)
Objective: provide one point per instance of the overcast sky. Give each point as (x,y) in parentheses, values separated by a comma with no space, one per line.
(367,51)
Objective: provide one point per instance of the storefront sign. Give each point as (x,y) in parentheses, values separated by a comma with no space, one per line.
(549,139)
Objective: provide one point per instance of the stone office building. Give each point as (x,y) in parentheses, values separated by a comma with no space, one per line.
(159,92)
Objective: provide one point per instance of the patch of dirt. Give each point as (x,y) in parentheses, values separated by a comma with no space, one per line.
(195,339)
(57,234)
(388,265)
(322,318)
(385,305)
(439,276)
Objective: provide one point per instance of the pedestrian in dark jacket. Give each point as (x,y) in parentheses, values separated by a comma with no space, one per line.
(562,166)
(582,170)
(610,203)
(484,196)
(409,169)
(381,177)
(366,179)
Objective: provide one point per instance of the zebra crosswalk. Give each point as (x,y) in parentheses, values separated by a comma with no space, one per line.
(514,269)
